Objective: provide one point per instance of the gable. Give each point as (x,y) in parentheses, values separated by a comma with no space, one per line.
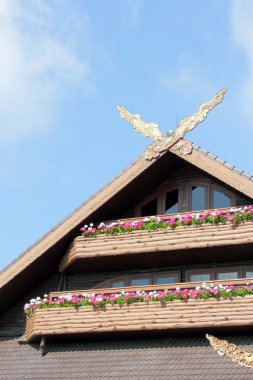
(112,202)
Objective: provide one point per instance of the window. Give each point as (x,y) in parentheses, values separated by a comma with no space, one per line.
(150,208)
(185,196)
(227,275)
(206,197)
(142,280)
(171,202)
(216,274)
(200,277)
(118,284)
(165,279)
(220,199)
(198,198)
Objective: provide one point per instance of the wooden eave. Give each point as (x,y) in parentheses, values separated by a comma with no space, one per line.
(42,259)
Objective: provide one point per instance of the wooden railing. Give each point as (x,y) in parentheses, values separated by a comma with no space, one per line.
(150,288)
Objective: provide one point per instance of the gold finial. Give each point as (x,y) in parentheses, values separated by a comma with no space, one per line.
(161,142)
(237,354)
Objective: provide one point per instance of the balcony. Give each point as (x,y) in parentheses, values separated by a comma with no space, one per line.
(182,245)
(172,317)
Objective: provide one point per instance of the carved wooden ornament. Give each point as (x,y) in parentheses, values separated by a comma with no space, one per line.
(162,143)
(237,354)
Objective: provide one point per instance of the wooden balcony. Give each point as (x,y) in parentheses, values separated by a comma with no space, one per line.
(171,317)
(182,245)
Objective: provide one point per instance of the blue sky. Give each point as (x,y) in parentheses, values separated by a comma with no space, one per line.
(66,64)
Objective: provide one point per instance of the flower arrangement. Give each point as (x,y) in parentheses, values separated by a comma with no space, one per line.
(123,298)
(234,215)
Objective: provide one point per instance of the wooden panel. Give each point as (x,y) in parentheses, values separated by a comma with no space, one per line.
(165,240)
(169,316)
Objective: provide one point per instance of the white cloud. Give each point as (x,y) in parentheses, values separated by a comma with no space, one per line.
(242,36)
(39,63)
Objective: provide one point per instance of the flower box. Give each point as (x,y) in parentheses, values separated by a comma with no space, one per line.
(144,316)
(160,245)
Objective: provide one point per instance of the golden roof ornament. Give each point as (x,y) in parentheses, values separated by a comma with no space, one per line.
(162,143)
(237,354)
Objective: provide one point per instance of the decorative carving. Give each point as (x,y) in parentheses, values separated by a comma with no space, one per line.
(162,143)
(237,354)
(182,147)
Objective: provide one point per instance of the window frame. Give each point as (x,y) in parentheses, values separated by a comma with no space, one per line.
(209,190)
(135,276)
(161,199)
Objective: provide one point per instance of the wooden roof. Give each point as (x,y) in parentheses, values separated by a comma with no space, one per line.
(163,358)
(39,261)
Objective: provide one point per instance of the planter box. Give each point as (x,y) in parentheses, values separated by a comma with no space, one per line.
(164,246)
(152,316)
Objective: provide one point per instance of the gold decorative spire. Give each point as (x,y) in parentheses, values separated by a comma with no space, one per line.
(162,143)
(237,354)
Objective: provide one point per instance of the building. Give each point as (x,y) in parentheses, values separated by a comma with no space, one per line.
(146,340)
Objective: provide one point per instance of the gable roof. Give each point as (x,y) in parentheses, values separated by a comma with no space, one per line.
(149,358)
(21,273)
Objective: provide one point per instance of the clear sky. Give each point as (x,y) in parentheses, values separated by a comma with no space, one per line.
(66,64)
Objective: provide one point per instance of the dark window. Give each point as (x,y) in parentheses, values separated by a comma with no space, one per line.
(171,204)
(150,208)
(118,284)
(198,198)
(200,277)
(227,275)
(165,279)
(140,281)
(220,199)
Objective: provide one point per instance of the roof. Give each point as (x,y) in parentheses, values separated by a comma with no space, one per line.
(186,358)
(99,206)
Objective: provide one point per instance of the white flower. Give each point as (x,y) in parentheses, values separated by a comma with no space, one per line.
(228,290)
(38,298)
(86,226)
(85,294)
(45,295)
(198,287)
(89,229)
(145,220)
(177,288)
(91,224)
